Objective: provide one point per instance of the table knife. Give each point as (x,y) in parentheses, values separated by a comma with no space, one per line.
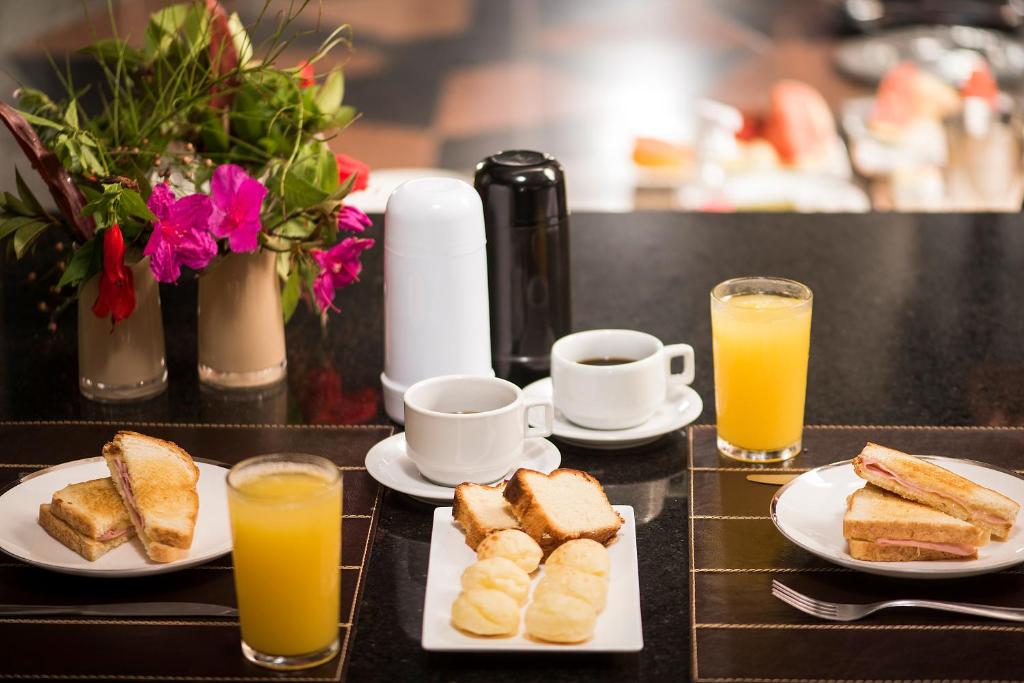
(124,609)
(773,479)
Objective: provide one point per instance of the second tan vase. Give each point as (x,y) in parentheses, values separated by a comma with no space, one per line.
(241,328)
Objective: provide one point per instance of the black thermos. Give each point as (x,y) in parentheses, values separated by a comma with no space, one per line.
(527,226)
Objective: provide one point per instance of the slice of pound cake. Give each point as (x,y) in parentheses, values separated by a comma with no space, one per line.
(481,510)
(561,506)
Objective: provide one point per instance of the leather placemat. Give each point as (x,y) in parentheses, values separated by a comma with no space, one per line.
(741,633)
(162,649)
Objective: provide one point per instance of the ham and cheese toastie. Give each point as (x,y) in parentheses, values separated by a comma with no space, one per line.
(882,527)
(157,482)
(87,517)
(927,483)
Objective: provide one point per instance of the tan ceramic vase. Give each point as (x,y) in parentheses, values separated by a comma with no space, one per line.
(126,363)
(241,328)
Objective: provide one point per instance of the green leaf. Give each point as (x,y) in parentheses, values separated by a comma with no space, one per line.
(12,225)
(15,205)
(26,195)
(330,94)
(346,115)
(300,228)
(71,114)
(132,205)
(243,45)
(300,193)
(26,235)
(40,121)
(161,30)
(82,265)
(196,28)
(284,265)
(290,294)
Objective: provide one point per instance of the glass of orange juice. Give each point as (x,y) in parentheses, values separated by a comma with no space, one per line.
(286,527)
(761,336)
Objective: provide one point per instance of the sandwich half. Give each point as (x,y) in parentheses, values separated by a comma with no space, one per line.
(882,527)
(87,517)
(157,482)
(927,483)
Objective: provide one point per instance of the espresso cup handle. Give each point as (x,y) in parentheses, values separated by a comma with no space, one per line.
(549,417)
(684,351)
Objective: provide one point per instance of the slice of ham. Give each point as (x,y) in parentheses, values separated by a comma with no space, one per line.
(880,470)
(951,548)
(129,497)
(112,534)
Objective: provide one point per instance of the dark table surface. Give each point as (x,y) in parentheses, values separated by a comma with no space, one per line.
(918,320)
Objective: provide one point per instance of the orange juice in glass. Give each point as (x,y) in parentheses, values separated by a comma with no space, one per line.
(761,334)
(286,528)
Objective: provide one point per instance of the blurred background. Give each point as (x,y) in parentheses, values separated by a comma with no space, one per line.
(710,105)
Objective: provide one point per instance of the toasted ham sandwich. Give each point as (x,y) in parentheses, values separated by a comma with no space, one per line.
(882,527)
(87,517)
(925,482)
(157,482)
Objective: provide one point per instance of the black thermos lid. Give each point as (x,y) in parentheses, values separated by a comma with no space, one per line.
(521,188)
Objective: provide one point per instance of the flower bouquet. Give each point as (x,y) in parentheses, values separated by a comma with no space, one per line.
(204,149)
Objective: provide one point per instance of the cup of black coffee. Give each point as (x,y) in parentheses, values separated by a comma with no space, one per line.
(614,379)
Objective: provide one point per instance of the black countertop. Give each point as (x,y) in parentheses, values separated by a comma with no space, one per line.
(917,320)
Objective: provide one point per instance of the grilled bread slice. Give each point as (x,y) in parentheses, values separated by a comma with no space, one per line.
(925,482)
(873,552)
(881,526)
(561,506)
(157,482)
(94,509)
(481,510)
(87,547)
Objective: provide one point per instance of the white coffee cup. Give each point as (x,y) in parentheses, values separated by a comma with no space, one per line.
(467,428)
(614,396)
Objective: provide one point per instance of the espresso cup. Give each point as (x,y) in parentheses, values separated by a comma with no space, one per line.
(467,428)
(620,395)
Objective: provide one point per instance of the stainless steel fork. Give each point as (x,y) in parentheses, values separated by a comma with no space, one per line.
(837,611)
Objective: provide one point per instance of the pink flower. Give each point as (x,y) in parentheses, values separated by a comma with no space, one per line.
(339,267)
(352,219)
(237,201)
(180,235)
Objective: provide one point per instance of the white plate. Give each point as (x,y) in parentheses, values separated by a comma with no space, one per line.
(388,463)
(618,629)
(681,407)
(23,538)
(809,512)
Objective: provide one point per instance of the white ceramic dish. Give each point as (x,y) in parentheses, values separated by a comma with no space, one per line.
(681,407)
(619,628)
(23,538)
(809,512)
(388,463)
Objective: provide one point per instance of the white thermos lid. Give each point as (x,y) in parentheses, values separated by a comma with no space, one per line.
(434,217)
(436,318)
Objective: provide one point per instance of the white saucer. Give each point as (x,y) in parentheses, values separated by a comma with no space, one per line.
(388,463)
(809,512)
(681,407)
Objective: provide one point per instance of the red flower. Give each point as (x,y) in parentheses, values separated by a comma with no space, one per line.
(981,84)
(306,79)
(347,166)
(117,291)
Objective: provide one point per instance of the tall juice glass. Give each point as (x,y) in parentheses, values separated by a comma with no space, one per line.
(761,335)
(286,527)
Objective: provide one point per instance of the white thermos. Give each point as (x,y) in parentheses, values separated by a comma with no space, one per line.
(436,318)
